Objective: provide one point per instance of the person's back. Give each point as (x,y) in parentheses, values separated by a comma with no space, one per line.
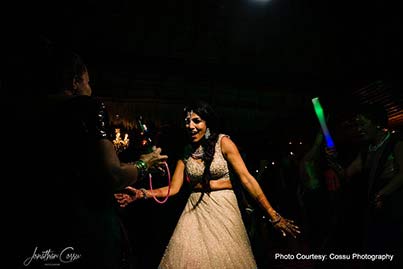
(72,197)
(74,194)
(66,169)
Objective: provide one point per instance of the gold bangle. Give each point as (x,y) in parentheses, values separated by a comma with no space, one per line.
(144,193)
(274,222)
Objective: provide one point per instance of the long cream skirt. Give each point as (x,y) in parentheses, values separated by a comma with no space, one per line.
(209,235)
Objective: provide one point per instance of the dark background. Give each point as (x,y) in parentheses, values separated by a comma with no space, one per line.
(287,42)
(258,64)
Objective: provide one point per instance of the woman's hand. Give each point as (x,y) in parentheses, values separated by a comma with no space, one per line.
(130,195)
(286,226)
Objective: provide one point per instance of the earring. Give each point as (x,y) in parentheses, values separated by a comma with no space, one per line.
(207,134)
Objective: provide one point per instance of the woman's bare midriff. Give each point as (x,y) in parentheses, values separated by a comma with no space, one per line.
(215,185)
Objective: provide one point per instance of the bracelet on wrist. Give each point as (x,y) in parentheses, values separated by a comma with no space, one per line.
(276,220)
(144,193)
(141,168)
(142,164)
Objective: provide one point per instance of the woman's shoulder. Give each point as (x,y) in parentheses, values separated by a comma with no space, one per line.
(224,140)
(221,136)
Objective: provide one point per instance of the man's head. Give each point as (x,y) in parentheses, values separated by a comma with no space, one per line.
(369,120)
(72,75)
(65,73)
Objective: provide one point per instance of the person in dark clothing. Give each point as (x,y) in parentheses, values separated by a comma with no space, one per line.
(380,163)
(75,221)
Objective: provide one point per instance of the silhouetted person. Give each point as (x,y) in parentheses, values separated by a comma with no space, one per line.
(73,173)
(380,163)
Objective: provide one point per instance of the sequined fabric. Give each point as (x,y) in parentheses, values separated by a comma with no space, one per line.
(210,233)
(218,168)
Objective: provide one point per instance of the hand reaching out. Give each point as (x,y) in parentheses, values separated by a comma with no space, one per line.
(154,160)
(129,195)
(286,226)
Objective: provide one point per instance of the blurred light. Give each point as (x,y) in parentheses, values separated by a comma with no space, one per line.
(261,1)
(272,163)
(300,142)
(291,153)
(290,143)
(119,143)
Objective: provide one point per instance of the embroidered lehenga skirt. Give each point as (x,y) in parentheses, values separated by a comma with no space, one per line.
(210,234)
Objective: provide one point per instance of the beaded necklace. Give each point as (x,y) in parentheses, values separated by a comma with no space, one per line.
(198,153)
(377,146)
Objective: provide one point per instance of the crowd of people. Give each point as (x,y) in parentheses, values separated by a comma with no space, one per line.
(337,199)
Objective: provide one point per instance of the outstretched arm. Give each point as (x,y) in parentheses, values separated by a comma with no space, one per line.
(176,184)
(131,194)
(232,155)
(124,174)
(107,163)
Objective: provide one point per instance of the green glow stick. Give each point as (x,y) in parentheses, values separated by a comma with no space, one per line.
(321,117)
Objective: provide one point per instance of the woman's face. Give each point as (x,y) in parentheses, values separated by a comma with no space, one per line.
(195,126)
